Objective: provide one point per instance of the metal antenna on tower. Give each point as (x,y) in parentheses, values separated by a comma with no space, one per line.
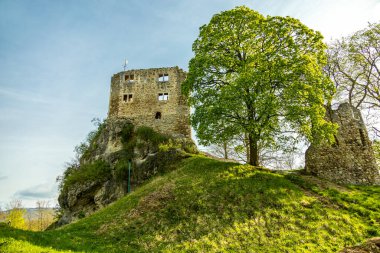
(125,64)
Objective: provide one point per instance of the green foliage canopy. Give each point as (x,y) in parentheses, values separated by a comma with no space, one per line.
(254,74)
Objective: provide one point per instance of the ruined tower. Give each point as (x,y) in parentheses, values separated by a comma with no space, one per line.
(350,160)
(151,97)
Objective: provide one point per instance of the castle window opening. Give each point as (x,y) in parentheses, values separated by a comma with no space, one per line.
(158,115)
(127,98)
(129,78)
(163,77)
(163,96)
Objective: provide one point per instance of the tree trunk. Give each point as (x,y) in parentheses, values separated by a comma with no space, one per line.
(225,150)
(246,144)
(253,151)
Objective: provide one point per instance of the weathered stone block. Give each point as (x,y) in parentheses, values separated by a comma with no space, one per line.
(151,97)
(351,159)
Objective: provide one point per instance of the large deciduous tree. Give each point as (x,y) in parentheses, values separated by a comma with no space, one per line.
(254,75)
(354,65)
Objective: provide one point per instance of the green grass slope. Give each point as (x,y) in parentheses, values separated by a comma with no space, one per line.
(211,206)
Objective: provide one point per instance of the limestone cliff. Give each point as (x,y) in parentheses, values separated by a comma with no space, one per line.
(101,175)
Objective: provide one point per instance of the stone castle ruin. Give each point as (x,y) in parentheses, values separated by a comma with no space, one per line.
(144,97)
(151,97)
(351,159)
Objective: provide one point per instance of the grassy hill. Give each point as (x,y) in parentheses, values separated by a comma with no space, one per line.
(212,206)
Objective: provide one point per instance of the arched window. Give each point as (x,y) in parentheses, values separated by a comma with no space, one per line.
(158,115)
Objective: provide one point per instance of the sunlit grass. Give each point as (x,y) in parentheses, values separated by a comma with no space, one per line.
(212,206)
(19,246)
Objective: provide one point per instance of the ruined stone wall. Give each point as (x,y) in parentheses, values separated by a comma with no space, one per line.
(151,97)
(350,160)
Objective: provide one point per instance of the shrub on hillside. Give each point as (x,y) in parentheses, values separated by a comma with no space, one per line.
(98,170)
(85,149)
(148,135)
(149,140)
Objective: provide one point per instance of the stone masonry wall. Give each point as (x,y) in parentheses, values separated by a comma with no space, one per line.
(135,94)
(350,160)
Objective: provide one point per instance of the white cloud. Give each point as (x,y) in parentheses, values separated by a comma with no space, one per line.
(37,192)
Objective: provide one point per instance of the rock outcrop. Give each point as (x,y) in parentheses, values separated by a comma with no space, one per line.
(370,246)
(115,145)
(350,160)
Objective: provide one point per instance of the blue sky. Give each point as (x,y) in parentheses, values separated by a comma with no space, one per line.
(57,58)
